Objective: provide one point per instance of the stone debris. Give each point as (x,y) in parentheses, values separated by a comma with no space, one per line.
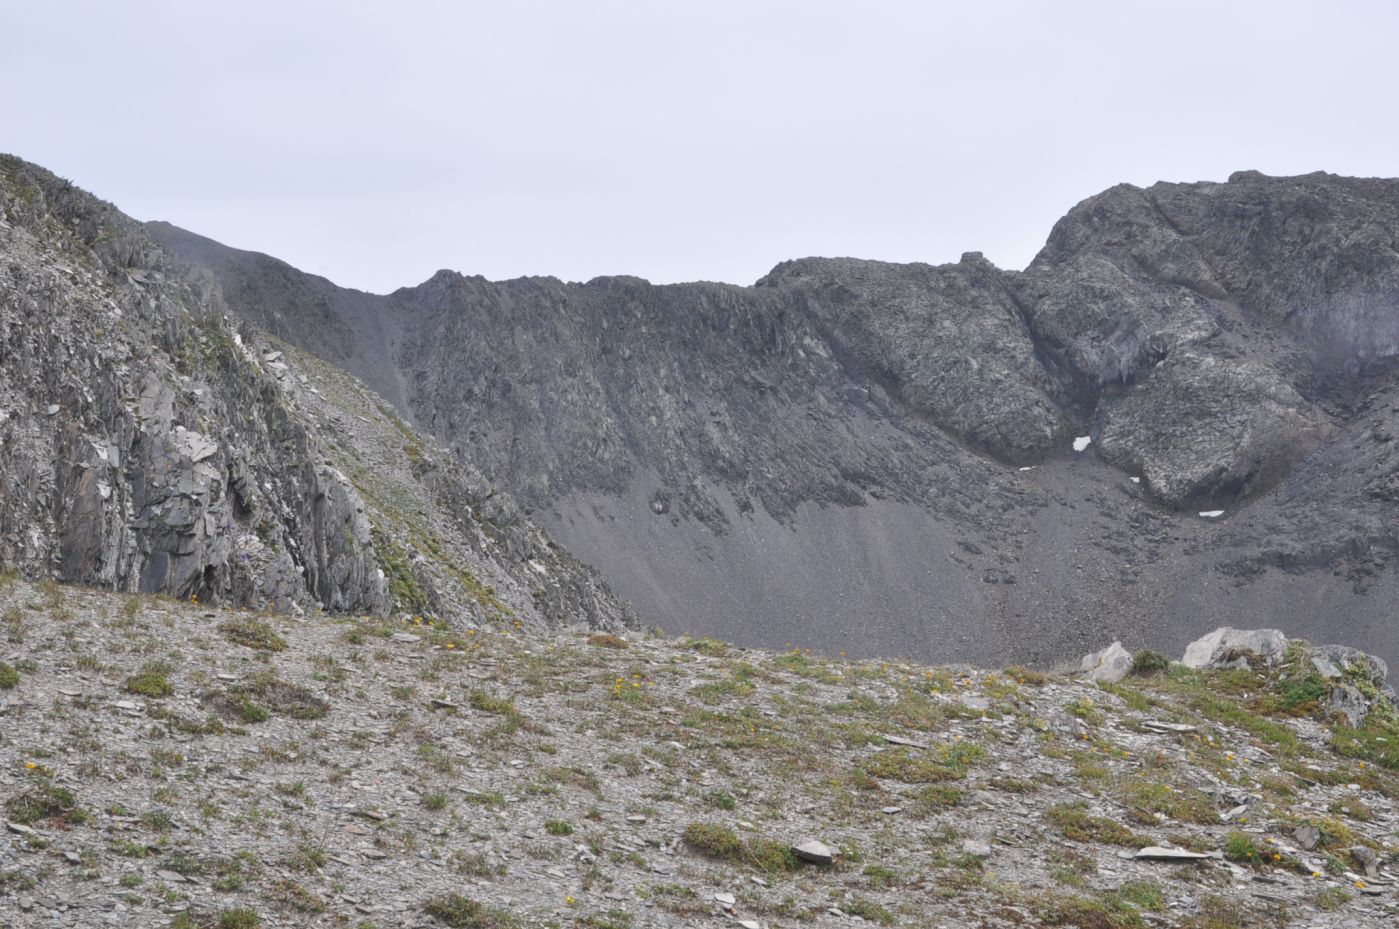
(531,795)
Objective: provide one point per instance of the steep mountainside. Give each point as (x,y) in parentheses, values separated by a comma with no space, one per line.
(874,457)
(148,443)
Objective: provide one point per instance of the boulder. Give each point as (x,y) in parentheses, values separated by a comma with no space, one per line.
(1346,700)
(1227,647)
(814,852)
(1108,665)
(1356,681)
(1346,660)
(975,848)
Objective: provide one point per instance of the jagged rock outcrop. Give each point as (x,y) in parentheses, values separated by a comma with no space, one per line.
(950,342)
(837,455)
(1244,430)
(148,443)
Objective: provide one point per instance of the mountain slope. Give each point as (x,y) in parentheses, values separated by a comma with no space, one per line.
(149,443)
(836,456)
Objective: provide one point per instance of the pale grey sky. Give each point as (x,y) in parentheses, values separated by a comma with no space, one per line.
(377,142)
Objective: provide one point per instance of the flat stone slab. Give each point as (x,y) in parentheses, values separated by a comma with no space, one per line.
(1157,853)
(814,852)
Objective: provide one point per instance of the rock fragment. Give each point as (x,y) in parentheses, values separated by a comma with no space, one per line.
(814,852)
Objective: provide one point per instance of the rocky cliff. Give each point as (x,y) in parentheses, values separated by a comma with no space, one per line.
(882,458)
(149,442)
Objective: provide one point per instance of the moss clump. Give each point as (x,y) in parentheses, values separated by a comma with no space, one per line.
(253,633)
(558,827)
(1146,663)
(265,694)
(460,912)
(723,844)
(152,684)
(1144,799)
(240,917)
(1108,913)
(44,801)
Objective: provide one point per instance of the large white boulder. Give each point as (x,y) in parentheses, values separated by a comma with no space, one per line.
(1227,647)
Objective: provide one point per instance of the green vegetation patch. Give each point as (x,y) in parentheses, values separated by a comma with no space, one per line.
(265,695)
(44,801)
(253,633)
(946,762)
(723,844)
(1075,822)
(460,912)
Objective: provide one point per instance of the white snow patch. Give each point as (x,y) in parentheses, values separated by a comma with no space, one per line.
(1211,514)
(1082,442)
(1028,468)
(1135,480)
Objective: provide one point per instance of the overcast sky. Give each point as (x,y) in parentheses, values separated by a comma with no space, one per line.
(377,142)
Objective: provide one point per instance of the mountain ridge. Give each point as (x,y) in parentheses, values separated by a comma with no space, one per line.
(1221,343)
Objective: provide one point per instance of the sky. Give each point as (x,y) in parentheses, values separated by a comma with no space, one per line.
(375,143)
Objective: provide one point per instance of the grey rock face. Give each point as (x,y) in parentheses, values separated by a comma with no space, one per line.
(1204,431)
(148,443)
(951,341)
(835,438)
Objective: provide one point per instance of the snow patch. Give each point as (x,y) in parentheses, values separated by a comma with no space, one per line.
(1211,514)
(1082,442)
(1135,480)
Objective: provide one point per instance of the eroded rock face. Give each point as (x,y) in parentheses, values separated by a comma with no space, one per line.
(950,341)
(1204,430)
(148,443)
